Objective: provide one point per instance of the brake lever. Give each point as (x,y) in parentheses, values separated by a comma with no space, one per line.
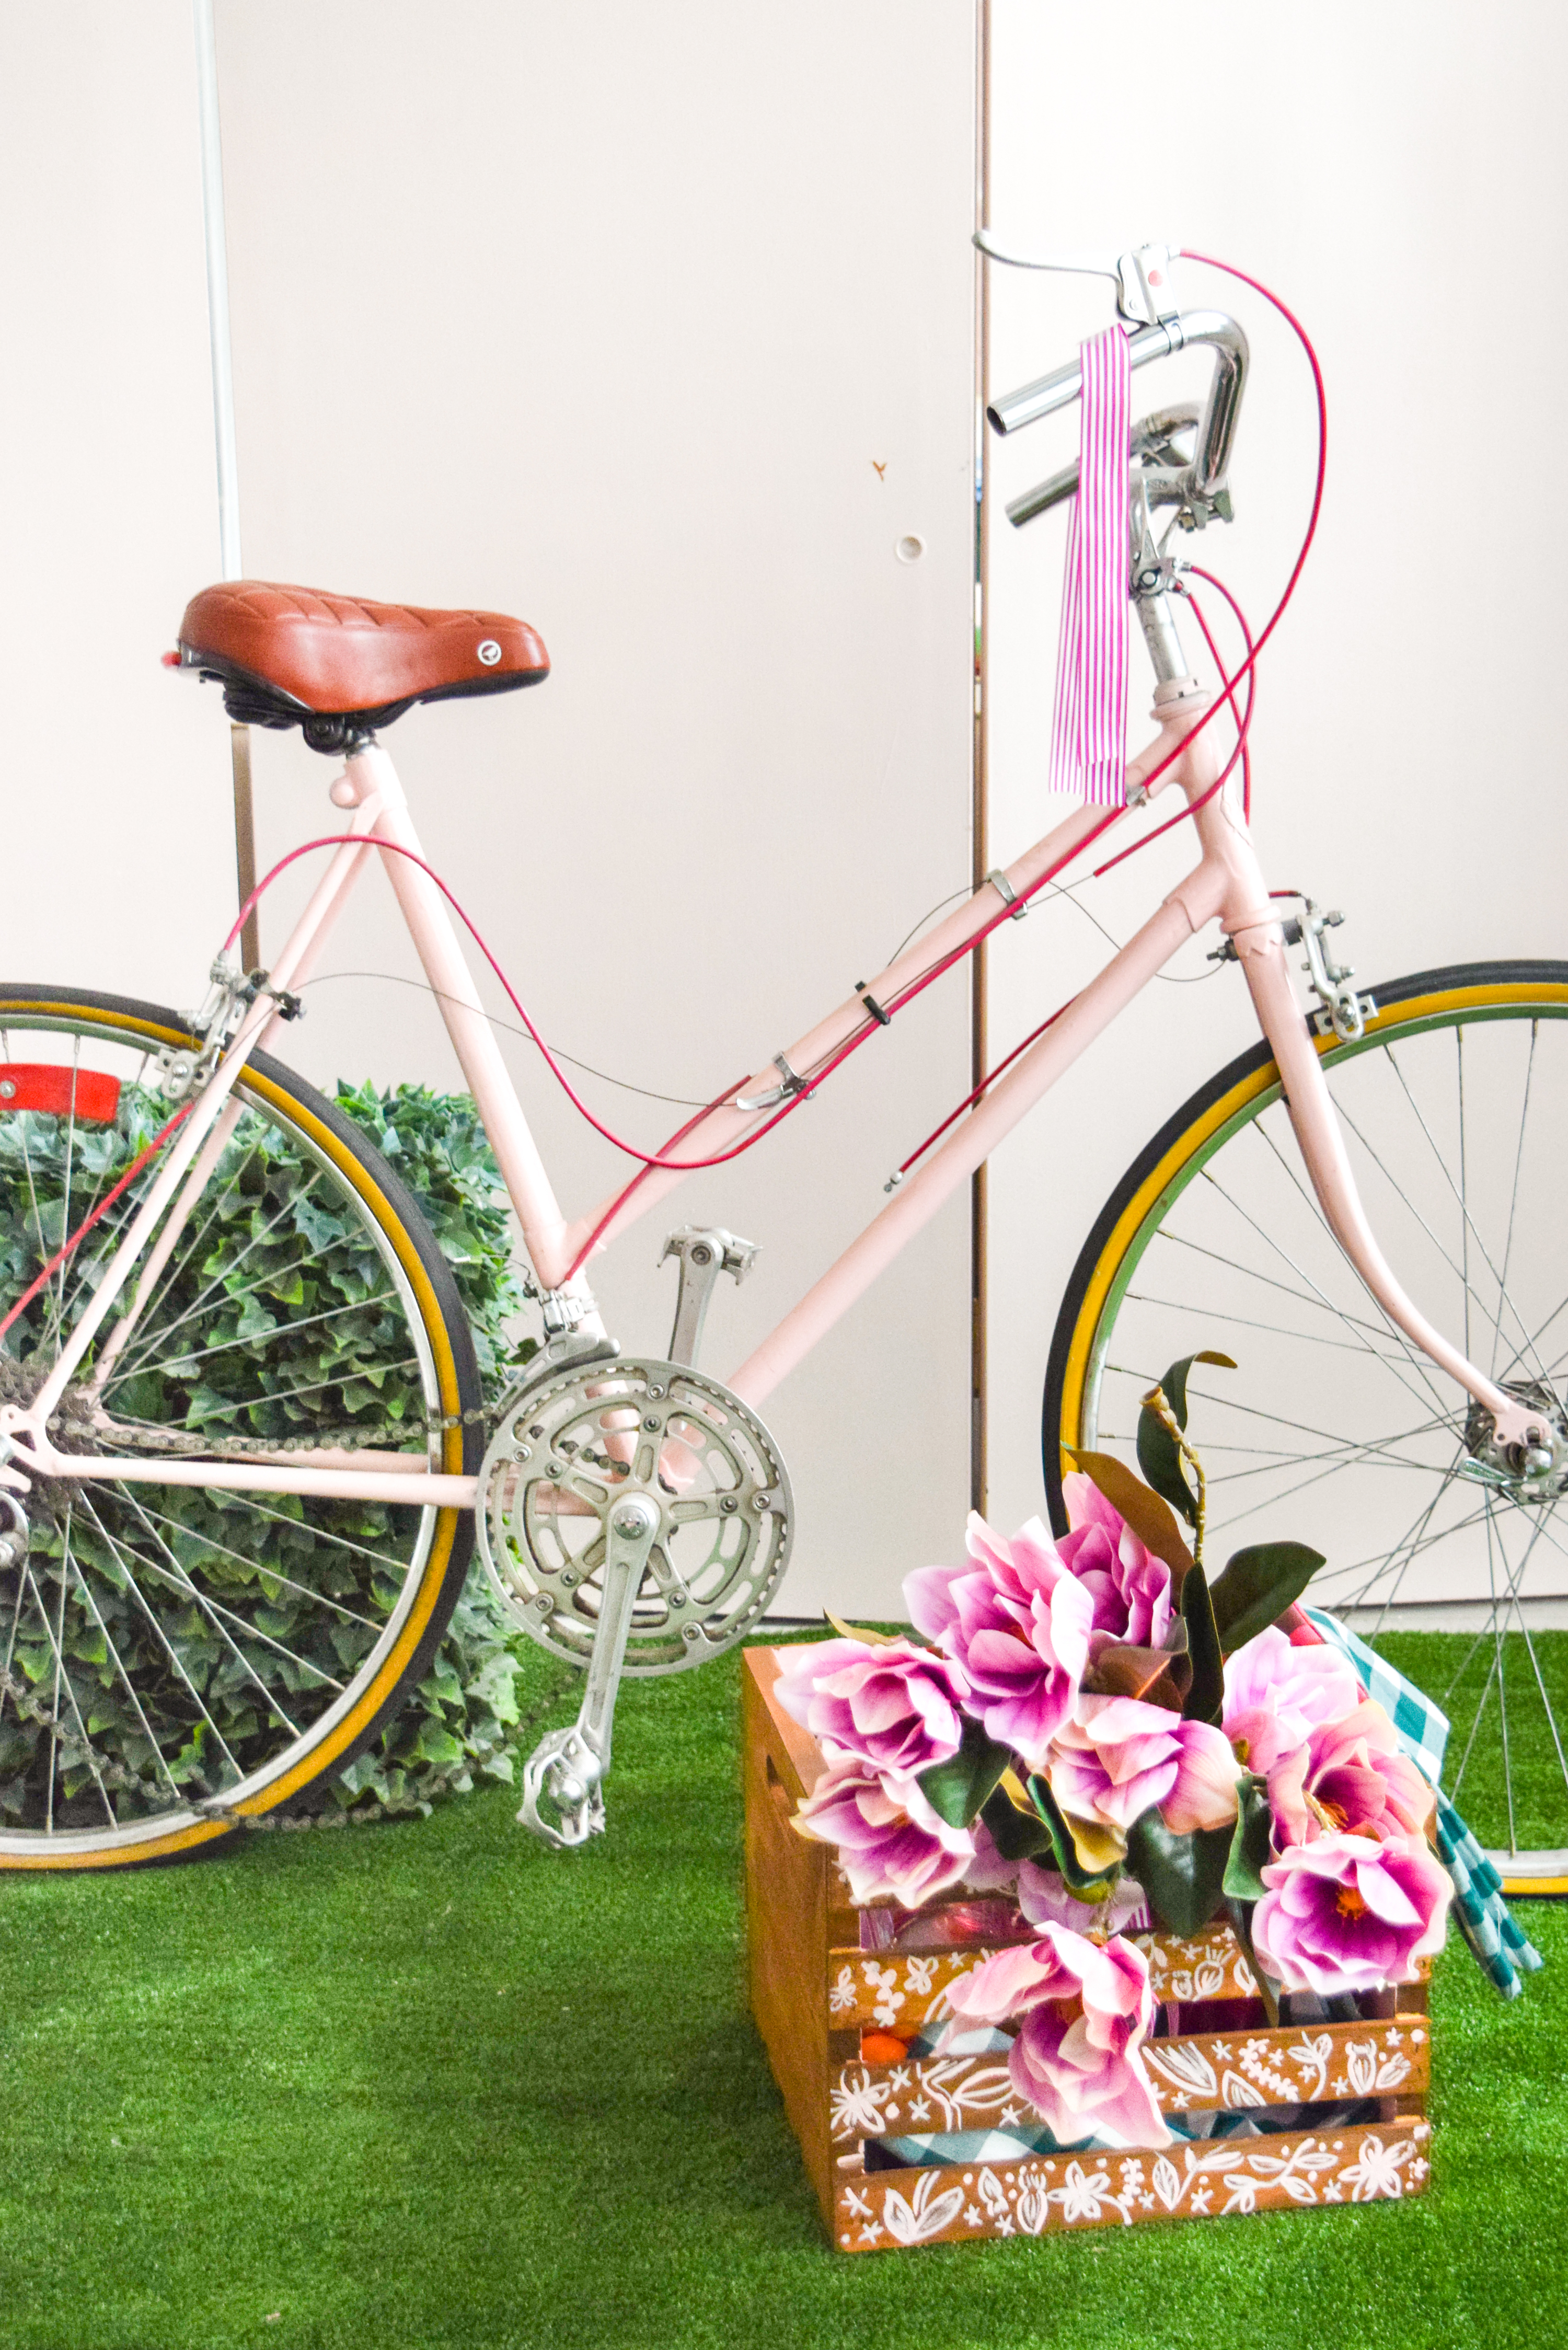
(1142,278)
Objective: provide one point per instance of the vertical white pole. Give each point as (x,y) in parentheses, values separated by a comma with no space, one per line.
(223,427)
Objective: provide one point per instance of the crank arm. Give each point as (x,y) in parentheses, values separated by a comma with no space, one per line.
(566,1768)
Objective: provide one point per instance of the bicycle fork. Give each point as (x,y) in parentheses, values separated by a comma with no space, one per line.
(1228,886)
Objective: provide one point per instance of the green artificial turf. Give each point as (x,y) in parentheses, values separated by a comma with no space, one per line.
(424,2085)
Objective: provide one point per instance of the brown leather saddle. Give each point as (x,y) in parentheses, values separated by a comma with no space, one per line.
(338,666)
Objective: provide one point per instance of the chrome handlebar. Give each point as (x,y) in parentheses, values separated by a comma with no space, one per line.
(1203,480)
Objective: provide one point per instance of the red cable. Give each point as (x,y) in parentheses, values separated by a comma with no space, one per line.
(1215,581)
(986,1082)
(649,1162)
(1244,723)
(1220,782)
(824,1068)
(104,1205)
(373,840)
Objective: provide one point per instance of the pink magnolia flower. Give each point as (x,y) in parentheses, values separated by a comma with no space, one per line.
(1118,1755)
(1018,1624)
(895,1705)
(1129,1587)
(891,1845)
(1276,1695)
(1087,2014)
(1350,1778)
(1045,1900)
(1346,1913)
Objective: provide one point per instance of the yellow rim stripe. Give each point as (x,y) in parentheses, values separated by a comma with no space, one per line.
(313,1763)
(1414,1011)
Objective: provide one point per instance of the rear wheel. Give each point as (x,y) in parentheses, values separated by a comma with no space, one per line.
(176,1659)
(1336,1431)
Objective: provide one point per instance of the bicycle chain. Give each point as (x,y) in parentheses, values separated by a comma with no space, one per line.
(179,1443)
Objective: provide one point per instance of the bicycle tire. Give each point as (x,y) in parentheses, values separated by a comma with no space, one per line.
(287,1638)
(1509,1008)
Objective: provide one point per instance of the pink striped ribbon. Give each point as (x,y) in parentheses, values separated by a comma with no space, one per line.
(1088,740)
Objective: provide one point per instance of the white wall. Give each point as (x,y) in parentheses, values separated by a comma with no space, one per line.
(602,316)
(119,836)
(1396,172)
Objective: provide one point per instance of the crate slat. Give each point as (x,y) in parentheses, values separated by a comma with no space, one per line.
(899,1991)
(886,2211)
(1296,2064)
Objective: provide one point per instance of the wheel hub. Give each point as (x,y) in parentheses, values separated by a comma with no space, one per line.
(1538,1475)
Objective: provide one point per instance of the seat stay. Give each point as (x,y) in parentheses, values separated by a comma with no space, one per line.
(298,959)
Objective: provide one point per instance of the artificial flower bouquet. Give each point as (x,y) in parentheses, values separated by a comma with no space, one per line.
(1092,1727)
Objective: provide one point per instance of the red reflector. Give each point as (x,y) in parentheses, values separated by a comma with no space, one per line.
(170,661)
(35,1085)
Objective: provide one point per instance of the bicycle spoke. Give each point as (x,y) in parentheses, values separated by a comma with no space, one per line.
(326,1534)
(1409,1352)
(1464,1176)
(275,1574)
(163,1641)
(220,1280)
(1412,1542)
(1270,1329)
(350,1376)
(1513,1195)
(1285,1256)
(176,1574)
(62,1678)
(130,1686)
(1467,1225)
(175,1365)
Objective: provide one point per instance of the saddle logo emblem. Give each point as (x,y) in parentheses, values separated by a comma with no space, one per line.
(490,652)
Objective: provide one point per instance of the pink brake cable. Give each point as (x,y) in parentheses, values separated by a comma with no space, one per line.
(651,1161)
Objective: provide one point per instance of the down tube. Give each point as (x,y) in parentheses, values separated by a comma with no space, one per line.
(1084,1019)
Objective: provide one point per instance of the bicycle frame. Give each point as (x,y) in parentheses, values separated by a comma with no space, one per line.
(1226,886)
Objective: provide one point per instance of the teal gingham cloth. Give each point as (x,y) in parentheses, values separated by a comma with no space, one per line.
(1502,1950)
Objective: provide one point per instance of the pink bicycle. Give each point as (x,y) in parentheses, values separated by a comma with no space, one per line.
(245,1454)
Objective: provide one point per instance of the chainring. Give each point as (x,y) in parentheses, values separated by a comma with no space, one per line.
(571,1447)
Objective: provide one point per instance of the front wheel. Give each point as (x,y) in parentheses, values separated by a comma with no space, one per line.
(175,1659)
(1336,1431)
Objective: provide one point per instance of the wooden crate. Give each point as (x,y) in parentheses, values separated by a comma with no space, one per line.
(815,1991)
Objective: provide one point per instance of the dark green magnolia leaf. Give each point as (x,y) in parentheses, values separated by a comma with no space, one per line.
(1148,1516)
(1017,1835)
(1089,1885)
(1205,1698)
(1257,1586)
(957,1789)
(1241,1915)
(1249,1852)
(1159,1455)
(1183,1876)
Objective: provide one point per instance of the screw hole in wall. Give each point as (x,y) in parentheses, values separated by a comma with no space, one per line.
(910,548)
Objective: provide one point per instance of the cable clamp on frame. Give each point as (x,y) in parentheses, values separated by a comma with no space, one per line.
(790,1083)
(1017,907)
(884,1019)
